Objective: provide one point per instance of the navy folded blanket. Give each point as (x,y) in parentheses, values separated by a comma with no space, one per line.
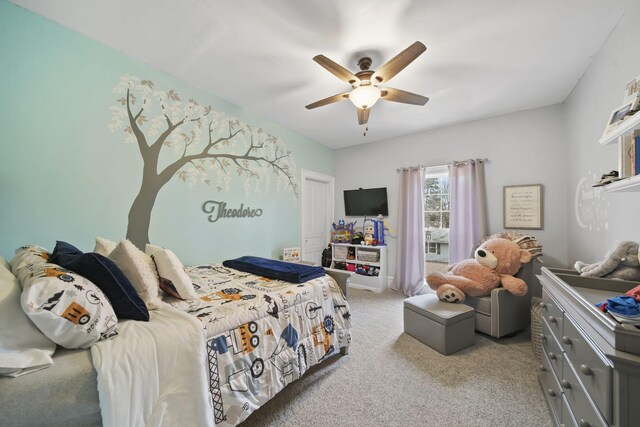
(287,271)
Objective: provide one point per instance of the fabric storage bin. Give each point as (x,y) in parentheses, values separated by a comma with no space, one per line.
(368,255)
(445,327)
(341,252)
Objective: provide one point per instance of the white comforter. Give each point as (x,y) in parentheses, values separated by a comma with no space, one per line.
(239,343)
(145,379)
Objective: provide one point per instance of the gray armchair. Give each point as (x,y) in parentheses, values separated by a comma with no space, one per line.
(502,313)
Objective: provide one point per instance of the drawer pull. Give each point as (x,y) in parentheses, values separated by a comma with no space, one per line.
(552,393)
(542,305)
(566,384)
(585,369)
(552,356)
(543,337)
(542,368)
(566,340)
(584,423)
(553,319)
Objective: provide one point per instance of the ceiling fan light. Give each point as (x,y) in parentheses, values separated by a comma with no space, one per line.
(365,96)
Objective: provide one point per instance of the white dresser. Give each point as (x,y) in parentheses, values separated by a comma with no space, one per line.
(590,370)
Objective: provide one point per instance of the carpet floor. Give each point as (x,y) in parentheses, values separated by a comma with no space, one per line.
(391,379)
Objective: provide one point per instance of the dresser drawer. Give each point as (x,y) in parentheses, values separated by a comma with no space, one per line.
(550,386)
(551,313)
(566,418)
(552,350)
(594,372)
(583,409)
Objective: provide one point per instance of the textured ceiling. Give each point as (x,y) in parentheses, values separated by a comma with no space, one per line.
(483,58)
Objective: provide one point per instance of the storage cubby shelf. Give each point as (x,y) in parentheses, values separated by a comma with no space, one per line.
(373,283)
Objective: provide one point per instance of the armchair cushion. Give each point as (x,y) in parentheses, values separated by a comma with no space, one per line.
(503,313)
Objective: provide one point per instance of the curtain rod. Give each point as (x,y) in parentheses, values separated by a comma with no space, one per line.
(454,163)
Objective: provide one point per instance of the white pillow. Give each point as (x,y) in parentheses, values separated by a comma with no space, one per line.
(140,270)
(173,279)
(23,348)
(30,254)
(69,309)
(150,249)
(104,246)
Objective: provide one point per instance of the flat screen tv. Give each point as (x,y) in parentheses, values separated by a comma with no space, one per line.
(366,202)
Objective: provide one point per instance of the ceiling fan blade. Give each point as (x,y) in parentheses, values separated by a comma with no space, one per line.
(398,63)
(363,116)
(397,95)
(337,70)
(329,100)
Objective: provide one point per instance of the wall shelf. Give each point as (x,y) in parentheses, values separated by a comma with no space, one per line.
(627,184)
(616,136)
(627,126)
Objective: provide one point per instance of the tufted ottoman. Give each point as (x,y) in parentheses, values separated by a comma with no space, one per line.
(443,326)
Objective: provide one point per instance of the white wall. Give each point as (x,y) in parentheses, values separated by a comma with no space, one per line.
(523,148)
(596,220)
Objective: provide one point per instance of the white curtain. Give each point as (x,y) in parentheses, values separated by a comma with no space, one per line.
(409,277)
(468,217)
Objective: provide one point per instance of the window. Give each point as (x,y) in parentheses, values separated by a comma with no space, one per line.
(436,215)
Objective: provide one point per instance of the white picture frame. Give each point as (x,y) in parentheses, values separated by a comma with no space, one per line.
(291,254)
(523,207)
(632,93)
(617,116)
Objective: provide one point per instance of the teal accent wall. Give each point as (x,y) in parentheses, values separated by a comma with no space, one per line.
(65,176)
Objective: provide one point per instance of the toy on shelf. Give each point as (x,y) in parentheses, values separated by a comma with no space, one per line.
(342,232)
(373,230)
(367,270)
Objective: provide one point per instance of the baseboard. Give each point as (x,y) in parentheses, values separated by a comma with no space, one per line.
(366,288)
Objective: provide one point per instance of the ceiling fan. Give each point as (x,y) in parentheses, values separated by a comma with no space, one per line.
(365,90)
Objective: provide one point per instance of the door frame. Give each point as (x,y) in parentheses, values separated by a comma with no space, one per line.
(308,174)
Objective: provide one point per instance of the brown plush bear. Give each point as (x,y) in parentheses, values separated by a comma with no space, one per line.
(495,263)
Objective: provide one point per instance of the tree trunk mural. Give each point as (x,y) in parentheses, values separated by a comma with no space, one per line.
(203,141)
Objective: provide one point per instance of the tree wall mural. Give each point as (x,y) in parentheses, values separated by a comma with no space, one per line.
(194,143)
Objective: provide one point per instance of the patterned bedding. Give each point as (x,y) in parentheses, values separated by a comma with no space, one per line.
(262,334)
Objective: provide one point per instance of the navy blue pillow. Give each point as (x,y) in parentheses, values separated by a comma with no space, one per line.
(104,274)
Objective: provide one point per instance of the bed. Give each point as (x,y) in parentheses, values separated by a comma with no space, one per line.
(216,358)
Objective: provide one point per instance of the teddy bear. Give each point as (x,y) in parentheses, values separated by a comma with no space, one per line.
(621,262)
(495,263)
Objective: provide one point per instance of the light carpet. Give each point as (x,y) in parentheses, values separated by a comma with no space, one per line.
(391,379)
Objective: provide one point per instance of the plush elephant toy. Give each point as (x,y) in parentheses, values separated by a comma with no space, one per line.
(621,262)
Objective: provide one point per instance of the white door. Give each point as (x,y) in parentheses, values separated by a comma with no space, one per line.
(317,214)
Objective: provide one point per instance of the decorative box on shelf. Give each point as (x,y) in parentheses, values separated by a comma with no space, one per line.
(368,255)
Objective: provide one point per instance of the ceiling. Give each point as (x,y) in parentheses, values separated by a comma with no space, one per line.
(484,57)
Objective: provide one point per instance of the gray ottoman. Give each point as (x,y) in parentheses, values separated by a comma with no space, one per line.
(443,326)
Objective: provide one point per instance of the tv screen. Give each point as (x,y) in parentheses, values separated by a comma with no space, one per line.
(366,202)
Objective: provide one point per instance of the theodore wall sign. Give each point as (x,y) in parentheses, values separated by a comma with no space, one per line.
(219,210)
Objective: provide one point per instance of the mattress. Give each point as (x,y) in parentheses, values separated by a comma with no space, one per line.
(64,395)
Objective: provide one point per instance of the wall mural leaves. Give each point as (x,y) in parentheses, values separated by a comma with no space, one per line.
(204,146)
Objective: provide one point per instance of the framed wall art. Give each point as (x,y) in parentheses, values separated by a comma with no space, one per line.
(617,116)
(291,254)
(523,206)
